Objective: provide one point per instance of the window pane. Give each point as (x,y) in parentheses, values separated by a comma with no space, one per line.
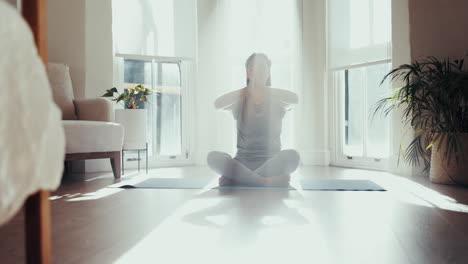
(164,112)
(137,72)
(378,128)
(365,136)
(354,80)
(169,109)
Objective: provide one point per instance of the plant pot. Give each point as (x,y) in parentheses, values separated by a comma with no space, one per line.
(134,123)
(444,171)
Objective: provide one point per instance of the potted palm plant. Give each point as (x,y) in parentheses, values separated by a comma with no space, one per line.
(434,99)
(133,116)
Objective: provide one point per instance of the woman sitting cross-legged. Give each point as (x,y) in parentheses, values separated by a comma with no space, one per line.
(259,111)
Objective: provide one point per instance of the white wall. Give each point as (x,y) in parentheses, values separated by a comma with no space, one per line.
(205,139)
(66,44)
(98,47)
(401,54)
(438,28)
(12,2)
(98,54)
(67,39)
(313,105)
(80,35)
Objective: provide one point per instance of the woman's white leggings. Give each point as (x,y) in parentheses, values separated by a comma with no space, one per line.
(247,172)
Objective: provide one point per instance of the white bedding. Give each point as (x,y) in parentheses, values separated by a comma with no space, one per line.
(31,135)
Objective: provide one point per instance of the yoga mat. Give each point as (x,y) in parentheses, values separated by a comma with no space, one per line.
(339,185)
(186,183)
(168,183)
(307,184)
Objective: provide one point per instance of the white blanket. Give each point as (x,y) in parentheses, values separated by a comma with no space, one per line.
(31,135)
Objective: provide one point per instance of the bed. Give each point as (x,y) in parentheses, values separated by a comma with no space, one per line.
(32,141)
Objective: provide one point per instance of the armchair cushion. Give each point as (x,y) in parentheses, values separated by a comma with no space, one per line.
(92,136)
(97,109)
(62,89)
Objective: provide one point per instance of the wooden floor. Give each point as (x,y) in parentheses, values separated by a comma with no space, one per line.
(413,222)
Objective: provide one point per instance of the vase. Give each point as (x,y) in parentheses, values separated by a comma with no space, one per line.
(444,171)
(134,123)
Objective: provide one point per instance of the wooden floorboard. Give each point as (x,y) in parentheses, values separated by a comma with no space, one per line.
(413,222)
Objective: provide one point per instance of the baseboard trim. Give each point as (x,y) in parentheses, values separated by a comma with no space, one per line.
(315,158)
(200,157)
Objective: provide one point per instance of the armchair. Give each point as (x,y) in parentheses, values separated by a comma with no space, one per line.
(88,123)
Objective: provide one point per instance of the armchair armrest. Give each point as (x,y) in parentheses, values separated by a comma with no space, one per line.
(96,109)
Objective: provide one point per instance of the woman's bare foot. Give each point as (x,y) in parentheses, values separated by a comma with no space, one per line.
(224,181)
(277,181)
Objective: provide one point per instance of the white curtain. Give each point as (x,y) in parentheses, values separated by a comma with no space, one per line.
(229,34)
(359,31)
(154,27)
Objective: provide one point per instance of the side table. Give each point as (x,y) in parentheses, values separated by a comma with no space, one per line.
(123,158)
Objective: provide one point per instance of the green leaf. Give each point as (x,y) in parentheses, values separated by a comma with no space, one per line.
(110,92)
(121,97)
(430,145)
(140,87)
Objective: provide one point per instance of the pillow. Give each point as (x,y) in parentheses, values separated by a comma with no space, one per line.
(62,90)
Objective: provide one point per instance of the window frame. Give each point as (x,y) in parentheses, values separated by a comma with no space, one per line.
(337,112)
(187,65)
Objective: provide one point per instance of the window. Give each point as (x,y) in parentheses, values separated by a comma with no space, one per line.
(167,104)
(359,56)
(364,135)
(154,45)
(167,128)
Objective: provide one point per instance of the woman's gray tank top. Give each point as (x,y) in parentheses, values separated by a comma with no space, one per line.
(258,127)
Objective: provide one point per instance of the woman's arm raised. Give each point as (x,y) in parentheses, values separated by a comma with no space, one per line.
(226,101)
(285,96)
